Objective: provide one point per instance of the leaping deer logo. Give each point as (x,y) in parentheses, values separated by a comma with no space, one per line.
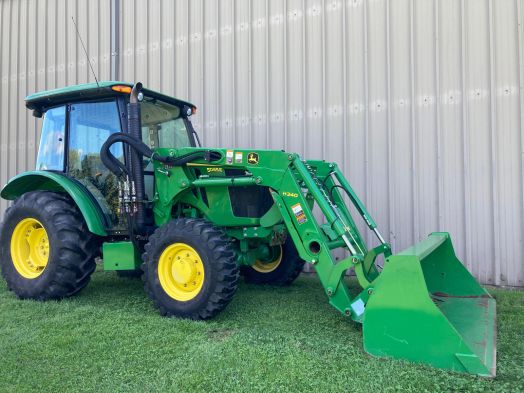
(252,158)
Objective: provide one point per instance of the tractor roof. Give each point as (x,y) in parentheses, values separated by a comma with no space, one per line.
(42,100)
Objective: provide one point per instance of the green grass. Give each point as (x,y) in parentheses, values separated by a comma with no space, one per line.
(109,338)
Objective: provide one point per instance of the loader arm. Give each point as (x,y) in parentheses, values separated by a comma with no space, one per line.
(316,241)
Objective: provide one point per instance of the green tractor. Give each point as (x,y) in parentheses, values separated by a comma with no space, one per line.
(121,175)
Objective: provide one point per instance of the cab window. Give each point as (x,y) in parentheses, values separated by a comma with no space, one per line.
(51,150)
(162,125)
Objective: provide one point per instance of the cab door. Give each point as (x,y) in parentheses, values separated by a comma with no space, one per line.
(90,124)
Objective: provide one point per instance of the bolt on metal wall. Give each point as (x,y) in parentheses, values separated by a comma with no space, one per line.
(419,101)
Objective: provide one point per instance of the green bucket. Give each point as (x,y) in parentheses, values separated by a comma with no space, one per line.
(426,307)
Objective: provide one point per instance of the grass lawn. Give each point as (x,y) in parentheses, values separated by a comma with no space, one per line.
(109,338)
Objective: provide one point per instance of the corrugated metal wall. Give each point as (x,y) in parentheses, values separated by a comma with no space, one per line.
(420,101)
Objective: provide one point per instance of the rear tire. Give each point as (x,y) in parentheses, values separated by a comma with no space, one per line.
(190,269)
(53,251)
(284,273)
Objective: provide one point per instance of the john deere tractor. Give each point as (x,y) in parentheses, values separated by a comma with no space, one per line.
(120,175)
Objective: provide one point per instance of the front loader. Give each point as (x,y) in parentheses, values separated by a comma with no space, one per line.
(120,176)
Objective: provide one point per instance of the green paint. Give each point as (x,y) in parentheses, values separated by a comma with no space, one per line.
(53,181)
(120,256)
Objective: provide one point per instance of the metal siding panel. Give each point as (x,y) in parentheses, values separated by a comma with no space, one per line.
(277,76)
(335,92)
(313,70)
(167,56)
(356,96)
(31,122)
(196,60)
(259,69)
(508,187)
(424,105)
(377,131)
(517,276)
(401,127)
(294,71)
(242,63)
(102,32)
(127,40)
(12,93)
(141,42)
(479,137)
(4,94)
(226,74)
(208,108)
(154,40)
(450,101)
(61,24)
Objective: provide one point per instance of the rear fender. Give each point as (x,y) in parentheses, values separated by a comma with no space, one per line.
(58,182)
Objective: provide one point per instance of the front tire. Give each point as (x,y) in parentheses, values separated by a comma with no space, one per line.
(190,269)
(46,250)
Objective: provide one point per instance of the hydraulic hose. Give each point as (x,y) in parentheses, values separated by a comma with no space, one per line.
(119,169)
(114,164)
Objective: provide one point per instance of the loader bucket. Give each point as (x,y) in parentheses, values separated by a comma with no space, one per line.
(426,307)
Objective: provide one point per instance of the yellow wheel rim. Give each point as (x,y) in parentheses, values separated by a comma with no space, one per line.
(268,267)
(181,272)
(30,248)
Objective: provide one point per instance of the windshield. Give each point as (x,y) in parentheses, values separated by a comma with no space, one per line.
(162,125)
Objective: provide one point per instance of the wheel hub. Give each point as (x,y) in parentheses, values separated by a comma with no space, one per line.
(184,271)
(30,248)
(181,271)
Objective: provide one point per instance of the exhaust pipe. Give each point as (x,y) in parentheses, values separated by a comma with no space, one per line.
(134,126)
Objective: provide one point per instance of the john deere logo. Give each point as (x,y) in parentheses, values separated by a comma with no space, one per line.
(252,158)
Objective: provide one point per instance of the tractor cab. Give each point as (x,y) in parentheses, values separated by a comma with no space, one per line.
(78,120)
